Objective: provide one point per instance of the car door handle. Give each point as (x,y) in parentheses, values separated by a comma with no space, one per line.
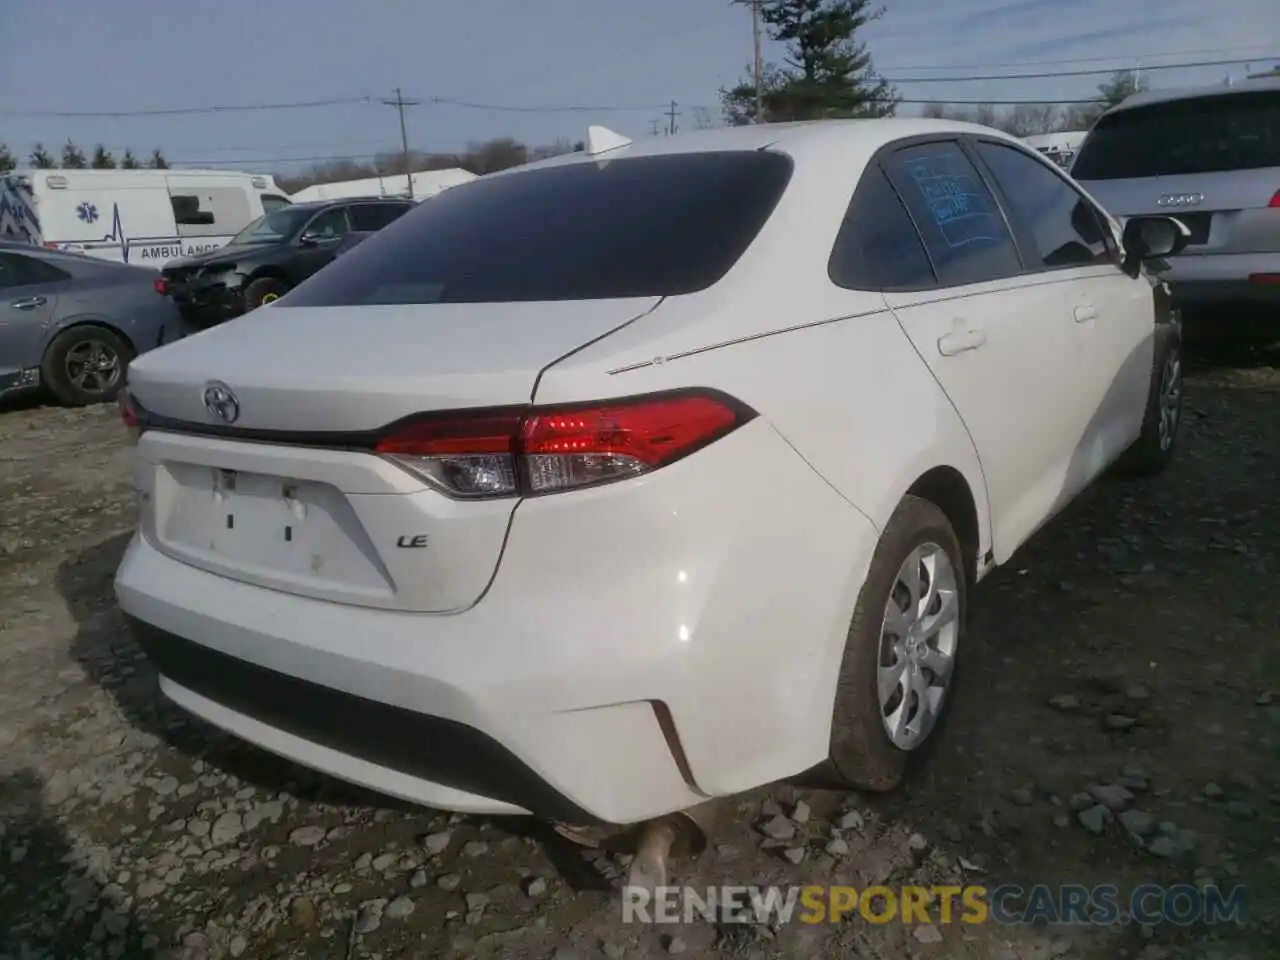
(30,303)
(958,341)
(1086,311)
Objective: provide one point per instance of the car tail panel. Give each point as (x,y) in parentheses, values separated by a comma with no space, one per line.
(338,525)
(259,458)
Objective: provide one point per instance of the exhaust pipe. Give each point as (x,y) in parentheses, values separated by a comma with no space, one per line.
(654,844)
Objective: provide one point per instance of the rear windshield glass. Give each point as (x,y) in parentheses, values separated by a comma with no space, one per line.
(1238,131)
(642,227)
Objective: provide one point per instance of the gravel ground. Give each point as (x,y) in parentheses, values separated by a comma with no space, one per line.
(1133,646)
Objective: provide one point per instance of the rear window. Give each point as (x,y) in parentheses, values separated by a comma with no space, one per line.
(642,227)
(1238,131)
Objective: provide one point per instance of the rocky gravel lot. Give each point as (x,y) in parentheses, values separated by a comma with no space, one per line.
(1120,725)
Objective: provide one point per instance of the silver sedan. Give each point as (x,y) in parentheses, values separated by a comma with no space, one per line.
(71,323)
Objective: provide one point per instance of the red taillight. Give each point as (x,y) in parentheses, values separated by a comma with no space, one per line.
(160,286)
(1275,200)
(1264,278)
(128,415)
(549,449)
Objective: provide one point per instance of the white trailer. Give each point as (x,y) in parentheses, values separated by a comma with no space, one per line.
(426,183)
(143,217)
(1061,148)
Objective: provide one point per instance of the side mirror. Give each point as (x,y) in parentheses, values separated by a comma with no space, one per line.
(1153,238)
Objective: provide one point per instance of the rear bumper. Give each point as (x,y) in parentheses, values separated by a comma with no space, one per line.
(14,382)
(1197,278)
(339,724)
(642,646)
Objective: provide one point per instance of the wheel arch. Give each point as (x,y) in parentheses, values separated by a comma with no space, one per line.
(947,489)
(72,323)
(269,271)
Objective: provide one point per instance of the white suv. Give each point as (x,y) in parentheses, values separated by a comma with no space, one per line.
(644,475)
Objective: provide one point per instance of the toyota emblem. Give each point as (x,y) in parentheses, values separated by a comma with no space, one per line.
(1181,199)
(221,402)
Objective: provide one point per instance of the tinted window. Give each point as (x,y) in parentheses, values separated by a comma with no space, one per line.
(1060,222)
(275,226)
(375,216)
(20,271)
(331,223)
(1237,131)
(962,226)
(271,203)
(878,247)
(640,227)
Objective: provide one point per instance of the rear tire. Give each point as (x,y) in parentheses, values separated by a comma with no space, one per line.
(263,290)
(85,365)
(863,753)
(1153,451)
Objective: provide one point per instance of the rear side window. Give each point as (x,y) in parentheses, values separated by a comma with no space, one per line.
(1221,132)
(878,247)
(271,202)
(20,271)
(961,223)
(1060,222)
(375,216)
(631,227)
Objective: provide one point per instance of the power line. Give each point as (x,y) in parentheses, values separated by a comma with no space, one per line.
(1070,73)
(1126,57)
(569,108)
(580,108)
(178,111)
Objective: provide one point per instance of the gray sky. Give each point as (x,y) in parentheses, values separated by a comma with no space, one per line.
(135,55)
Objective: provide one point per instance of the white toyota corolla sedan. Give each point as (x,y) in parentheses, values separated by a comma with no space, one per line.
(648,474)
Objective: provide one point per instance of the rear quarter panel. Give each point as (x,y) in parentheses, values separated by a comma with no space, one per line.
(124,300)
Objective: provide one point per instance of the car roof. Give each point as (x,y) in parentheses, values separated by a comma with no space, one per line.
(802,136)
(1253,85)
(339,201)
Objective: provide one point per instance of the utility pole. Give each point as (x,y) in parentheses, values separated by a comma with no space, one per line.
(672,113)
(400,103)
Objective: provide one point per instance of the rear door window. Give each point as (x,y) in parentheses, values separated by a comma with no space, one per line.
(20,271)
(962,225)
(878,246)
(630,227)
(1210,134)
(1057,219)
(375,216)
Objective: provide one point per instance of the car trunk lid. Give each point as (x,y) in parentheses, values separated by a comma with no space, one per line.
(289,494)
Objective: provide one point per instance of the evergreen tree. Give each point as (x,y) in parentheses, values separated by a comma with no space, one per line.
(41,159)
(827,72)
(102,159)
(158,162)
(73,157)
